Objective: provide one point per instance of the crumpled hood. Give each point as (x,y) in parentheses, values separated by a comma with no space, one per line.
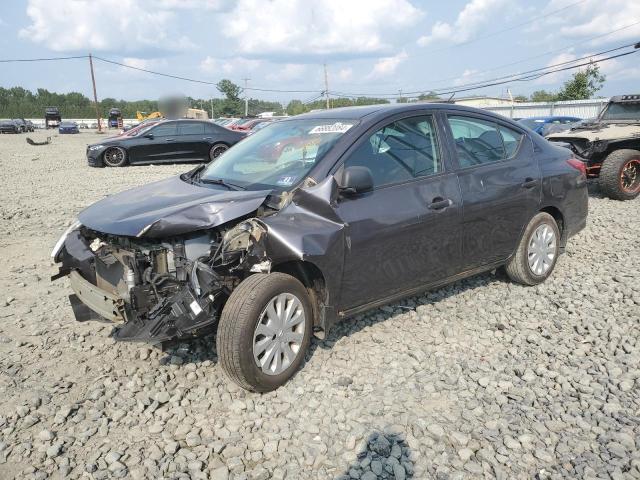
(167,208)
(602,132)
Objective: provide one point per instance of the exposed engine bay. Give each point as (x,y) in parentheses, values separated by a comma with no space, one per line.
(164,289)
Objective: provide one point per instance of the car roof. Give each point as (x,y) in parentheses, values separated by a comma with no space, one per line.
(373,113)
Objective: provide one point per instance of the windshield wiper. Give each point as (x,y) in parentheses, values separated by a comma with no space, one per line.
(220,181)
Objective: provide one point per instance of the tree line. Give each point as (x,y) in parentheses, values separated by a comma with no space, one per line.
(18,102)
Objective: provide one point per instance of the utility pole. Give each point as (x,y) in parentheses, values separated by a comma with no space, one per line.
(95,95)
(246,99)
(211,108)
(400,96)
(326,85)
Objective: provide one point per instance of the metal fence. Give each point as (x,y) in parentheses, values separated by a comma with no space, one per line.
(572,108)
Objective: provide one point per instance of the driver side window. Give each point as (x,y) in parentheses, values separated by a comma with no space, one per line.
(400,151)
(164,130)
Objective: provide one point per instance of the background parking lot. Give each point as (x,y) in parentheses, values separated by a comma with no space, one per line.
(482,378)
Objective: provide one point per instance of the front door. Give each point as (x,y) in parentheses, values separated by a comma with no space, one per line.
(500,183)
(156,145)
(405,232)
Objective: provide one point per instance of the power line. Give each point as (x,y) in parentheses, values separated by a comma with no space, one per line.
(524,78)
(48,59)
(507,78)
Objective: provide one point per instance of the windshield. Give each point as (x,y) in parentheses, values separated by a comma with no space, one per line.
(278,156)
(621,111)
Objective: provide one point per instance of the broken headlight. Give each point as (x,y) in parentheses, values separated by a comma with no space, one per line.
(58,246)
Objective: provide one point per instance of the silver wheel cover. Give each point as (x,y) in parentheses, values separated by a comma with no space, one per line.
(278,337)
(542,249)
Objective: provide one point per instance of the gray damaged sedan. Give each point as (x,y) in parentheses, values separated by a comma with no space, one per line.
(316,218)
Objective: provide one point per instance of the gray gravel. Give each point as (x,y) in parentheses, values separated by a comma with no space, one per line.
(481,379)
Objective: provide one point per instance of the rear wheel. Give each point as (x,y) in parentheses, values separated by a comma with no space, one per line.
(216,150)
(537,252)
(264,331)
(620,175)
(115,157)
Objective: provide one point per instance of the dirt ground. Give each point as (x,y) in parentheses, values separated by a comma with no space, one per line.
(480,379)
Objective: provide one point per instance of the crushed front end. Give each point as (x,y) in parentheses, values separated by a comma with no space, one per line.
(157,289)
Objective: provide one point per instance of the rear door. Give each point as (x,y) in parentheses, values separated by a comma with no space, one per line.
(158,144)
(500,183)
(404,233)
(192,145)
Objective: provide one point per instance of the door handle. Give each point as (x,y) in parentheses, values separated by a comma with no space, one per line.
(440,203)
(529,183)
(207,138)
(169,140)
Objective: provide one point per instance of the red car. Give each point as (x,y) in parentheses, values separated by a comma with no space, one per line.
(248,123)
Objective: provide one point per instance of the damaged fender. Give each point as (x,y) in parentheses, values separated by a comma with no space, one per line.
(308,229)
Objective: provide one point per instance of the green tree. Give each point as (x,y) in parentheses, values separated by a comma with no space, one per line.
(520,98)
(583,85)
(429,96)
(229,89)
(543,96)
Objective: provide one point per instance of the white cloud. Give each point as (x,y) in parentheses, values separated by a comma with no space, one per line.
(209,65)
(556,78)
(468,76)
(332,27)
(289,71)
(239,65)
(345,74)
(387,65)
(593,18)
(129,26)
(145,63)
(475,15)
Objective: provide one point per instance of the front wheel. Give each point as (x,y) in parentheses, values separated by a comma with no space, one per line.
(264,331)
(115,157)
(216,150)
(620,175)
(537,252)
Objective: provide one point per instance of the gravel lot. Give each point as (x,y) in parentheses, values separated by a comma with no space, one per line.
(481,379)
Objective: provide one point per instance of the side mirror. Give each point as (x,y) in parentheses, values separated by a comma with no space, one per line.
(149,136)
(356,180)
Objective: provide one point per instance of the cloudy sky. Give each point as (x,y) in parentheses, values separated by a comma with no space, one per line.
(370,46)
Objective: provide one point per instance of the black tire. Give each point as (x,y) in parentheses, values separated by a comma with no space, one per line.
(240,316)
(216,150)
(613,181)
(115,157)
(517,267)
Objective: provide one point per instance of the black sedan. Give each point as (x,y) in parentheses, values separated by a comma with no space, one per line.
(9,126)
(165,141)
(317,218)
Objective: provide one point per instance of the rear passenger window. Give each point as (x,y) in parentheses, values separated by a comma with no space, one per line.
(477,141)
(210,128)
(511,140)
(191,128)
(400,151)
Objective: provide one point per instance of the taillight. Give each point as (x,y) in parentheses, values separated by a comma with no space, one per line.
(578,165)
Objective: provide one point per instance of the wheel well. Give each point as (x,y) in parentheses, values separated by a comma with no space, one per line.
(313,280)
(557,216)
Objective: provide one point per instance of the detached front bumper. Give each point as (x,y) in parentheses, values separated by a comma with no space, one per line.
(101,302)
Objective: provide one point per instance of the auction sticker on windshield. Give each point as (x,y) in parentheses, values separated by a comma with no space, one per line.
(287,181)
(337,127)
